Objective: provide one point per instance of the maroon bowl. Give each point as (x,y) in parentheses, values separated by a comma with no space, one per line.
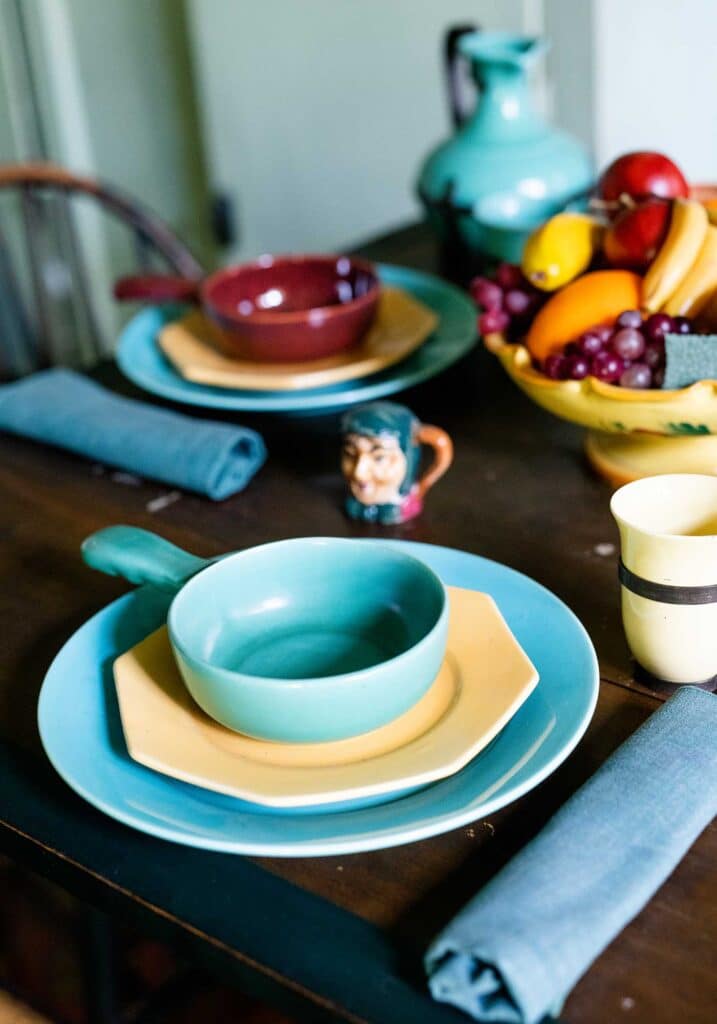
(278,308)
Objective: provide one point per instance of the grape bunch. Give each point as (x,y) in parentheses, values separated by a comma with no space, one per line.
(630,354)
(507,301)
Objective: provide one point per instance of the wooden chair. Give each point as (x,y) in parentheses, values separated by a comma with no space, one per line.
(46,279)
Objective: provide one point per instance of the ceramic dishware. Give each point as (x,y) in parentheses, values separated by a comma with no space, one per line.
(140,360)
(81,731)
(303,640)
(668,572)
(632,433)
(277,308)
(402,324)
(485,677)
(380,461)
(505,170)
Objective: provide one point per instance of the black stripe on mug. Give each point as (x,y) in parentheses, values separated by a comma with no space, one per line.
(664,592)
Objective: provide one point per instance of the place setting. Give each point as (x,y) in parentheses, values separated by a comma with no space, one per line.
(300,334)
(228,687)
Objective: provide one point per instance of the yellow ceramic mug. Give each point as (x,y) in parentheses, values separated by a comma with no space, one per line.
(668,572)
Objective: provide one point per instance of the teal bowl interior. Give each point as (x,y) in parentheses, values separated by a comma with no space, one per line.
(311,610)
(315,639)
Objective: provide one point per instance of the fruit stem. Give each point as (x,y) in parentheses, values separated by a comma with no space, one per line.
(604,207)
(494,341)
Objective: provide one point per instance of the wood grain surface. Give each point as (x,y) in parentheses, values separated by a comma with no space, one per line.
(519,492)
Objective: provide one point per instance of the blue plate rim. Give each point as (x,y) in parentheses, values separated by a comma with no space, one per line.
(140,331)
(437,824)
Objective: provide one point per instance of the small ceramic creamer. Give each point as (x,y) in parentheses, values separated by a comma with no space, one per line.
(380,461)
(668,572)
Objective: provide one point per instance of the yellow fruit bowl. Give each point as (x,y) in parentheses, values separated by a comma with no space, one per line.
(631,433)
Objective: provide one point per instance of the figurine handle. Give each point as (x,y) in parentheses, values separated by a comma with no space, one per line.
(442,446)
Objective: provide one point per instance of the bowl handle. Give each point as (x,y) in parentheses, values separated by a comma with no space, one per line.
(442,446)
(141,557)
(156,288)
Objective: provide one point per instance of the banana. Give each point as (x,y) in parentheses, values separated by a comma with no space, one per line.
(706,321)
(697,286)
(685,235)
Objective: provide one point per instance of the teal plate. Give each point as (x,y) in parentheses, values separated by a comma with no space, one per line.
(140,359)
(82,733)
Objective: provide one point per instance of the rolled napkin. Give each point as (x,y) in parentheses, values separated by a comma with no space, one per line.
(513,954)
(64,408)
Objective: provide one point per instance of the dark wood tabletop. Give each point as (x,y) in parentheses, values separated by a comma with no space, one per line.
(341,937)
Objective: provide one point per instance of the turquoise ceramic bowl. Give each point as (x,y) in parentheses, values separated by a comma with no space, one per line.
(310,640)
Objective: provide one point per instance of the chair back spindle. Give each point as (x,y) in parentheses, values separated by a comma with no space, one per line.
(48,303)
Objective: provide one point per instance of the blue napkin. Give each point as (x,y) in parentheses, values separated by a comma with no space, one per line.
(513,954)
(65,409)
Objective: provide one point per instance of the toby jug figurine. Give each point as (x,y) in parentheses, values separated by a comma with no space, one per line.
(380,462)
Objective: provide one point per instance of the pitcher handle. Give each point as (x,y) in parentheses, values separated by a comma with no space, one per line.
(141,557)
(442,446)
(453,61)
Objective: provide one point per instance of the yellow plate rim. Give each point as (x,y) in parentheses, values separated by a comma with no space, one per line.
(194,359)
(488,693)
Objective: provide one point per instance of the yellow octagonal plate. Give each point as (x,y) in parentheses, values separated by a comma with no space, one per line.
(402,324)
(485,678)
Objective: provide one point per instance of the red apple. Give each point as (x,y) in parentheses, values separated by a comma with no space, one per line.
(633,238)
(640,175)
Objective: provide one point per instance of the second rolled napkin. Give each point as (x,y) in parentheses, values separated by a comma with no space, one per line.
(64,408)
(513,954)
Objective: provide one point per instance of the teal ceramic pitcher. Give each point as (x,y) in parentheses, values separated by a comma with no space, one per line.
(505,170)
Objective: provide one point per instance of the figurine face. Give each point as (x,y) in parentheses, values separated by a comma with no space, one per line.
(374,467)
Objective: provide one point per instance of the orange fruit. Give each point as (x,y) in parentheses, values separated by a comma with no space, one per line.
(589,301)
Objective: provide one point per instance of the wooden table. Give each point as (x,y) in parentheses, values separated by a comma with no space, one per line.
(341,938)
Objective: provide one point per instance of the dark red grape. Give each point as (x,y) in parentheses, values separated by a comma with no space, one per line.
(509,275)
(657,326)
(486,294)
(628,343)
(493,321)
(636,376)
(590,343)
(518,302)
(653,356)
(572,349)
(578,367)
(556,367)
(630,318)
(607,366)
(658,377)
(603,331)
(681,325)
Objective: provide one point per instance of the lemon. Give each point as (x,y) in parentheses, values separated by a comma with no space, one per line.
(560,249)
